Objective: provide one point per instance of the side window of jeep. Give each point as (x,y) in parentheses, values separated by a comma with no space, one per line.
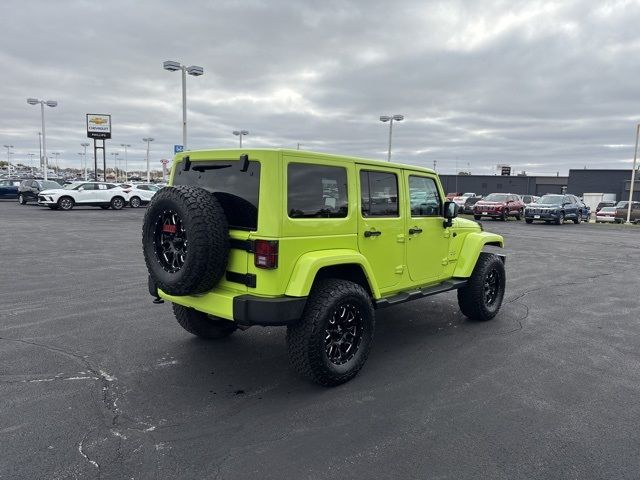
(316,191)
(379,194)
(424,197)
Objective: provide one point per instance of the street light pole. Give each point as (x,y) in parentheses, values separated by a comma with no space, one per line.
(49,103)
(148,139)
(126,169)
(390,119)
(240,133)
(85,145)
(8,147)
(57,166)
(115,161)
(193,70)
(40,145)
(633,175)
(31,155)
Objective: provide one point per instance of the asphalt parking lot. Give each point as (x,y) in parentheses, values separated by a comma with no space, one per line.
(97,382)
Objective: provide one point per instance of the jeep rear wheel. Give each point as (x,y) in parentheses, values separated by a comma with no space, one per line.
(482,297)
(185,240)
(202,325)
(331,342)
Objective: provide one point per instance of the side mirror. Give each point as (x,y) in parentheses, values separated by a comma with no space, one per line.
(81,189)
(450,211)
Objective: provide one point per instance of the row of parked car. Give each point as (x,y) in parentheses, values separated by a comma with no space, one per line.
(549,208)
(56,196)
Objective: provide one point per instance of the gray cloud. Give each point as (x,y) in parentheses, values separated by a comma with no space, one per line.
(544,86)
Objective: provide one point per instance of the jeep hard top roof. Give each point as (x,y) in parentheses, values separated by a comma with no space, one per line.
(233,153)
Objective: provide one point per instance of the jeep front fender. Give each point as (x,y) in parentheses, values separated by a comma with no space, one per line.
(308,265)
(470,251)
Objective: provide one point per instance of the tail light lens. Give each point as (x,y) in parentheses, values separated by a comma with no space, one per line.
(266,254)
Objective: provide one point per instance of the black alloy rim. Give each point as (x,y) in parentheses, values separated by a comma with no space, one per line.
(491,287)
(170,241)
(343,334)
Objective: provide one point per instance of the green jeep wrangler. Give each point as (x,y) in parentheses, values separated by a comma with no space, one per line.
(312,241)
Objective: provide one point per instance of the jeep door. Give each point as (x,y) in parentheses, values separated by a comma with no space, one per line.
(380,224)
(427,246)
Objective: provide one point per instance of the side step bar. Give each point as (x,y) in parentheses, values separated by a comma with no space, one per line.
(421,293)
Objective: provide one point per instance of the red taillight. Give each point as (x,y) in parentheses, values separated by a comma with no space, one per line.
(266,254)
(169,228)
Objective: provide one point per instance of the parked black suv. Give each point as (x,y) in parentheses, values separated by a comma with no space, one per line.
(555,208)
(29,189)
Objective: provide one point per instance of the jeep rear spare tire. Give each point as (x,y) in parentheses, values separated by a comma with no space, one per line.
(185,240)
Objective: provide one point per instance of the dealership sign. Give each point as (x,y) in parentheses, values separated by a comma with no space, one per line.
(98,126)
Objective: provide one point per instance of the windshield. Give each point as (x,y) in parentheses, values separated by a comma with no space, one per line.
(496,197)
(608,209)
(550,200)
(48,184)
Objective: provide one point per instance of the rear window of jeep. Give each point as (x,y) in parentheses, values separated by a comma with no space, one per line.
(237,191)
(316,191)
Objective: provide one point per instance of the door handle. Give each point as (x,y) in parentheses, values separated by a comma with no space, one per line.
(413,231)
(372,233)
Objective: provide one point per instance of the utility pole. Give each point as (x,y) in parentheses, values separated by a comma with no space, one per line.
(633,176)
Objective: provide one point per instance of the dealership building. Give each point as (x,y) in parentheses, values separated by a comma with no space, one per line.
(578,182)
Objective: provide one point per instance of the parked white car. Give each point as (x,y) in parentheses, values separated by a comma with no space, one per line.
(96,194)
(461,200)
(139,193)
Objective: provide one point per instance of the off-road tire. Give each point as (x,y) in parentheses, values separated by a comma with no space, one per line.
(65,203)
(22,200)
(135,202)
(207,233)
(117,203)
(528,220)
(202,325)
(306,338)
(471,298)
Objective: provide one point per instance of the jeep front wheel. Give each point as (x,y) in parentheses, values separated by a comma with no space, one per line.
(331,342)
(482,297)
(202,325)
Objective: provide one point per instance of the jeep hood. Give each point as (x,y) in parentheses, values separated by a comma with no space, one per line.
(464,223)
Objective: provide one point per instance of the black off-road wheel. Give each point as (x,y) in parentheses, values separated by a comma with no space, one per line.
(185,240)
(482,297)
(331,342)
(202,325)
(65,203)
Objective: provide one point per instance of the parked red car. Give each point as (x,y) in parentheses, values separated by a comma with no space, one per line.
(499,205)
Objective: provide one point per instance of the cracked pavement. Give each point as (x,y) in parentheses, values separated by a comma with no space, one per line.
(97,382)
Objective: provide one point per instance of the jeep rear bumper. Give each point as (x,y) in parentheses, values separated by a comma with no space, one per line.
(244,309)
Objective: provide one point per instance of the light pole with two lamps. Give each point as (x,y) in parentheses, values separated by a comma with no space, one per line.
(8,147)
(390,119)
(48,103)
(126,169)
(148,140)
(85,145)
(240,133)
(194,70)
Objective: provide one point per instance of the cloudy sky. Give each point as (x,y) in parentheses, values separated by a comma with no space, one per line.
(543,86)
